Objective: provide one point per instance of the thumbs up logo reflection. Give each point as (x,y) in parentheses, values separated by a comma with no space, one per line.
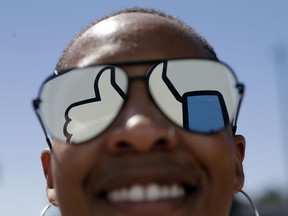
(87,118)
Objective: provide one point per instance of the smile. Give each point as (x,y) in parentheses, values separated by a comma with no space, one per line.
(148,193)
(148,188)
(151,192)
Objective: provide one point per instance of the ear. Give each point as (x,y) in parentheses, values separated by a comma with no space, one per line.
(240,145)
(46,165)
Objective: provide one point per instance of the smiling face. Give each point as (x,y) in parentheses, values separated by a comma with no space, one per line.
(142,164)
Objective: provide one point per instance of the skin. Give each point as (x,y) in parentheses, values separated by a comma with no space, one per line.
(141,145)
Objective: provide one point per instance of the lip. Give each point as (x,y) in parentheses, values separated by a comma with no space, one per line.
(161,172)
(161,175)
(159,207)
(163,207)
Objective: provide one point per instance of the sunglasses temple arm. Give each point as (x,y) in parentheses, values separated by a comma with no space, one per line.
(241,89)
(35,105)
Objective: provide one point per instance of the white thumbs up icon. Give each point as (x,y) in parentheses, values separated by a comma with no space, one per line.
(87,118)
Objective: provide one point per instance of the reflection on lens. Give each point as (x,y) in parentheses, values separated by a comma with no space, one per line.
(172,81)
(81,104)
(204,111)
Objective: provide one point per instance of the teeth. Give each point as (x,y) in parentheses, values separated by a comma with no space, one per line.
(151,192)
(136,193)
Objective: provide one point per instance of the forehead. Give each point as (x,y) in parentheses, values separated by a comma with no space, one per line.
(133,37)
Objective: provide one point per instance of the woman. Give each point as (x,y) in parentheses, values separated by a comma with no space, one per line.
(142,116)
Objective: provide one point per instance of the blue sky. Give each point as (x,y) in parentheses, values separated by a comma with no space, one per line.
(244,33)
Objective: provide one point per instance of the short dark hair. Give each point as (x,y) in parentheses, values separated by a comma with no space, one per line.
(176,20)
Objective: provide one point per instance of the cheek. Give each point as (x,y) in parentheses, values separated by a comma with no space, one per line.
(215,154)
(72,163)
(71,166)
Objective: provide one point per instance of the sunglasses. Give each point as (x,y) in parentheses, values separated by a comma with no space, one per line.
(199,95)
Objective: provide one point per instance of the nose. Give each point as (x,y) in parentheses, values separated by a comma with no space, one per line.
(141,134)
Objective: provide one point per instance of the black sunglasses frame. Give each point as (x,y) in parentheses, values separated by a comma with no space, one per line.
(37,101)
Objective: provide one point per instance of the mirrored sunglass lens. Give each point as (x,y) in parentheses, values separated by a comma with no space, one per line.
(80,104)
(171,81)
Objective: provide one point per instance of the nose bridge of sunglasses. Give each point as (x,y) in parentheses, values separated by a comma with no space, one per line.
(136,75)
(139,101)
